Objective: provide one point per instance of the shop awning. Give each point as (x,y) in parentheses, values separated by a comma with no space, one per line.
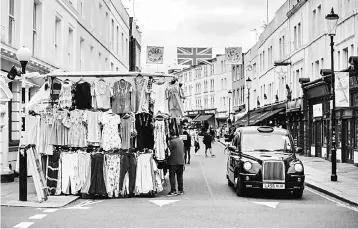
(294,106)
(202,118)
(265,115)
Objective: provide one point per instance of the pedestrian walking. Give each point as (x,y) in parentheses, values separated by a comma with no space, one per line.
(207,142)
(187,147)
(176,164)
(196,142)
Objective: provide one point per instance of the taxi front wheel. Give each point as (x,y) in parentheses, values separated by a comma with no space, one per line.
(240,189)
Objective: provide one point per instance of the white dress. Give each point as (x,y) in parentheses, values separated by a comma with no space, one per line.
(158,95)
(110,133)
(160,144)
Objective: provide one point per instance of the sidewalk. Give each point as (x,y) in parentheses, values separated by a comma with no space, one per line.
(10,196)
(318,176)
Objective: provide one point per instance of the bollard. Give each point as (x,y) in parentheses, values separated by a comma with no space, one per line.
(22,174)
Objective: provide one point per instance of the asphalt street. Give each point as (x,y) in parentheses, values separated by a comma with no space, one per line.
(208,202)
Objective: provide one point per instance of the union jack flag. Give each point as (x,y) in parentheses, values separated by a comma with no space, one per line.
(194,56)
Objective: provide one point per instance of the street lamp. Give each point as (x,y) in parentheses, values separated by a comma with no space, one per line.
(229,93)
(248,85)
(332,20)
(23,55)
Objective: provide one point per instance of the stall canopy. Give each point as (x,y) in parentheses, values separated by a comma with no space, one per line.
(202,117)
(256,117)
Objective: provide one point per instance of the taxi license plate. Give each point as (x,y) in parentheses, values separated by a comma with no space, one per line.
(273,186)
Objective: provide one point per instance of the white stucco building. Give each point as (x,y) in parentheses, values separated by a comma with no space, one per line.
(71,35)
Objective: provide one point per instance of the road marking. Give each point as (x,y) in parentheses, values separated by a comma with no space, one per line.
(161,203)
(335,201)
(268,204)
(38,216)
(206,181)
(24,224)
(50,210)
(83,204)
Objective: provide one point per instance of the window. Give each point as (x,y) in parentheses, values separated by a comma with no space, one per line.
(34,29)
(339,60)
(70,46)
(100,60)
(82,41)
(11,22)
(122,42)
(81,8)
(117,43)
(314,19)
(280,46)
(127,46)
(295,37)
(112,41)
(112,67)
(57,37)
(117,69)
(91,58)
(283,46)
(319,19)
(100,19)
(299,35)
(345,58)
(317,75)
(263,61)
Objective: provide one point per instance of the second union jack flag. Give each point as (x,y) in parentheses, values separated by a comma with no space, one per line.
(194,56)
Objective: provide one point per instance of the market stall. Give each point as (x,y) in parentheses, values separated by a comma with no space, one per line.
(105,134)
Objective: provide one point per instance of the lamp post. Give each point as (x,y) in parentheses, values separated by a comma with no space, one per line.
(332,20)
(229,93)
(23,55)
(248,85)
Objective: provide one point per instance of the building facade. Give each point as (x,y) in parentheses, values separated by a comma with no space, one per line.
(296,45)
(206,89)
(71,35)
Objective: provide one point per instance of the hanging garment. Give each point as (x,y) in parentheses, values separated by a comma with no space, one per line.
(32,130)
(87,183)
(113,163)
(158,96)
(61,130)
(140,103)
(78,131)
(144,177)
(52,176)
(110,132)
(82,95)
(160,137)
(102,93)
(125,187)
(127,129)
(84,162)
(70,173)
(65,96)
(93,127)
(174,96)
(144,127)
(98,186)
(122,97)
(157,178)
(46,133)
(128,164)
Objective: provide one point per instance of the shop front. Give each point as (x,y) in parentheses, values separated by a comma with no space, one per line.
(352,147)
(221,118)
(206,118)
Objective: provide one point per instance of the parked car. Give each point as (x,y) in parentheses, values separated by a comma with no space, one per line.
(264,157)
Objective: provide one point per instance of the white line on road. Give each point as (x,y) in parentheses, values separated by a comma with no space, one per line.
(38,216)
(338,203)
(206,181)
(50,210)
(24,224)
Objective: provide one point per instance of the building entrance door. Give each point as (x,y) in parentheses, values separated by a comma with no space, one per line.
(318,138)
(347,143)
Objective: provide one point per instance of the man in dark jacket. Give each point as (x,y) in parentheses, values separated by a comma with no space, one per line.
(207,142)
(176,164)
(187,146)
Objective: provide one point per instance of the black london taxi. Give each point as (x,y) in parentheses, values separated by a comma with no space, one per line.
(263,157)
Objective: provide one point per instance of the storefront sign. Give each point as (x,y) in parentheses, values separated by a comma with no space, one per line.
(183,137)
(317,110)
(342,89)
(193,112)
(209,111)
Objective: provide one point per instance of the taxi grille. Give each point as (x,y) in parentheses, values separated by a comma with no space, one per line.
(273,171)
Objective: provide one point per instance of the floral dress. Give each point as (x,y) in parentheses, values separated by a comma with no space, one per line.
(78,131)
(175,96)
(110,132)
(65,97)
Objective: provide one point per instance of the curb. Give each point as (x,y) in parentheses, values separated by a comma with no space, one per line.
(317,188)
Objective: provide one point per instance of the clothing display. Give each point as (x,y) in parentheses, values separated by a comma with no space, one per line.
(101,93)
(106,139)
(82,95)
(174,96)
(65,96)
(122,97)
(144,127)
(110,132)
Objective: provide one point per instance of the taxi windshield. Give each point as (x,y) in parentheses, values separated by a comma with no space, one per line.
(265,142)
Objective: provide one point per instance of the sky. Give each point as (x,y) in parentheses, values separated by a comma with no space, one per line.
(198,23)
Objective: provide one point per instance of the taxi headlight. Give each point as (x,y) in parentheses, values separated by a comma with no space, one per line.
(247,165)
(298,167)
